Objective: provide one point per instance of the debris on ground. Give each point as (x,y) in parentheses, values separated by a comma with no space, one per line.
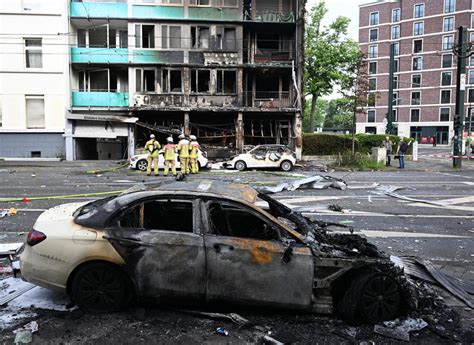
(222,331)
(335,207)
(391,191)
(235,318)
(8,212)
(425,270)
(311,182)
(400,329)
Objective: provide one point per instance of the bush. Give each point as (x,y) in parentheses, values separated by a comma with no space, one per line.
(367,141)
(326,144)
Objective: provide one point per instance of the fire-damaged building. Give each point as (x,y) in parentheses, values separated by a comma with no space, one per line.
(228,71)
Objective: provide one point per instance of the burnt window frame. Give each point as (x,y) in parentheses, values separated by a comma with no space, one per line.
(223,71)
(196,213)
(205,219)
(196,38)
(167,90)
(196,72)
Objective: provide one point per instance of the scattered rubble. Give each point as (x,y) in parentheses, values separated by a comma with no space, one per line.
(425,270)
(8,212)
(400,329)
(391,191)
(312,182)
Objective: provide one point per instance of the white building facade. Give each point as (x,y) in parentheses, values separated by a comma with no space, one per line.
(34,76)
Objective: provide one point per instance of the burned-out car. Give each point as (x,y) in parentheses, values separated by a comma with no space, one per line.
(264,156)
(208,241)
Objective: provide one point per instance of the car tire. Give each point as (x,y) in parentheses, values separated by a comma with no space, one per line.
(142,165)
(286,166)
(371,297)
(240,165)
(100,287)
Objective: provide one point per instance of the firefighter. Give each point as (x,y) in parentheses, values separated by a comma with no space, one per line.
(183,152)
(152,147)
(170,157)
(193,154)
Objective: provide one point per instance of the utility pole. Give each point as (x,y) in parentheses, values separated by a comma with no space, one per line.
(389,129)
(461,51)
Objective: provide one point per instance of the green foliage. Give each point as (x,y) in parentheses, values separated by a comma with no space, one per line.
(319,115)
(361,162)
(329,55)
(329,144)
(367,141)
(338,113)
(325,144)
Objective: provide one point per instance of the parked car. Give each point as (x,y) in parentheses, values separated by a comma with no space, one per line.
(207,241)
(139,162)
(264,156)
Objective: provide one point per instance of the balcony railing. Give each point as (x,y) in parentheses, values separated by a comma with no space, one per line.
(268,99)
(260,100)
(269,15)
(99,9)
(99,98)
(99,55)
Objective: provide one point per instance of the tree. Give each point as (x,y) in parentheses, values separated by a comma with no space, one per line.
(339,113)
(356,88)
(319,116)
(328,56)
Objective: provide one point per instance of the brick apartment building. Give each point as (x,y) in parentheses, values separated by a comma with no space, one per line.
(424,33)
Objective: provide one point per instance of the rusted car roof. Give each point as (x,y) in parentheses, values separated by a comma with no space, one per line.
(232,190)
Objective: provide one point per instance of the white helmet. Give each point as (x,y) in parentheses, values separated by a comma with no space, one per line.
(192,137)
(181,136)
(169,139)
(152,136)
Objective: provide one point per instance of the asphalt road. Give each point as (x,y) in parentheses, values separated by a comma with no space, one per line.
(442,233)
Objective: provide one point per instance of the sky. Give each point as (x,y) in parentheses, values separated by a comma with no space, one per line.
(346,8)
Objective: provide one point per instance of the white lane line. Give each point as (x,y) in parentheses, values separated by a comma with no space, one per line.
(455,175)
(447,207)
(469,183)
(398,234)
(456,201)
(368,214)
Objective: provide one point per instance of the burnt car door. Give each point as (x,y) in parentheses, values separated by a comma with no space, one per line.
(246,259)
(160,242)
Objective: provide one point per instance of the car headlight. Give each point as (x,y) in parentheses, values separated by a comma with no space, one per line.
(134,158)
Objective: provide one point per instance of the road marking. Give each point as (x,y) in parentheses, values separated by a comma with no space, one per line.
(369,214)
(455,175)
(396,234)
(456,201)
(447,207)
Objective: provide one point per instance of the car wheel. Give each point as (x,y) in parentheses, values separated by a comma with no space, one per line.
(371,297)
(142,164)
(240,165)
(286,166)
(101,287)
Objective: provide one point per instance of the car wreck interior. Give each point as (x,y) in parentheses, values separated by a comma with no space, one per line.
(229,220)
(169,215)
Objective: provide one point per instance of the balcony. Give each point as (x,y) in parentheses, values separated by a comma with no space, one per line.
(180,100)
(269,16)
(99,99)
(157,12)
(268,100)
(99,55)
(211,13)
(158,56)
(99,9)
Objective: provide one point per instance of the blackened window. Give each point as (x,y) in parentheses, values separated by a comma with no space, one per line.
(446,78)
(417,46)
(416,80)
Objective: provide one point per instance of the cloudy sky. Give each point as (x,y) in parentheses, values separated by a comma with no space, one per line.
(347,8)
